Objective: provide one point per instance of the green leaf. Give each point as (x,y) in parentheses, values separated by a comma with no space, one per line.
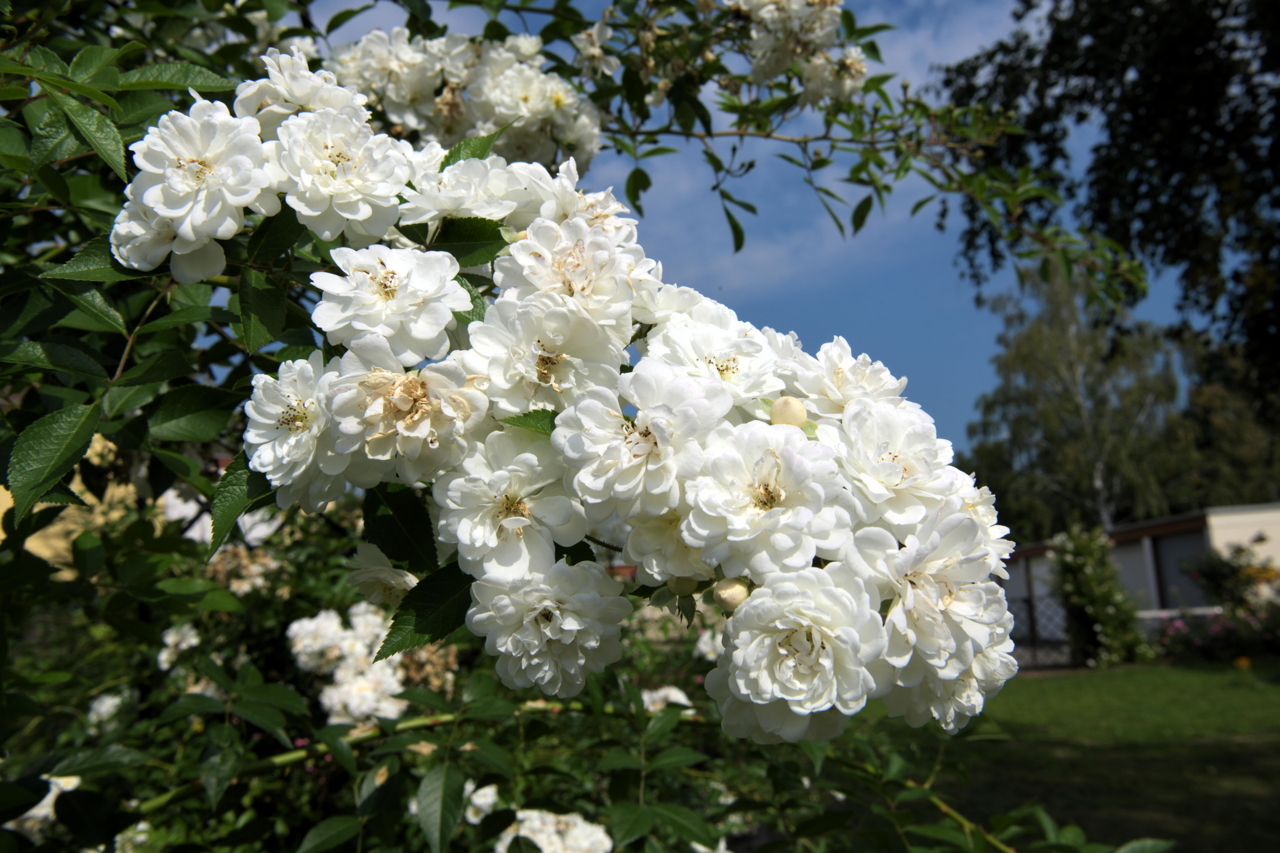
(186,589)
(192,703)
(53,139)
(1146,845)
(280,696)
(541,421)
(46,450)
(120,401)
(431,611)
(344,16)
(94,263)
(475,148)
(275,236)
(104,759)
(54,184)
(619,759)
(91,301)
(95,129)
(175,75)
(161,367)
(190,316)
(90,60)
(192,413)
(331,736)
(330,832)
(735,228)
(396,521)
(440,805)
(88,555)
(472,240)
(263,716)
(685,823)
(217,772)
(262,309)
(46,356)
(238,489)
(637,182)
(860,214)
(478,305)
(676,756)
(627,822)
(52,83)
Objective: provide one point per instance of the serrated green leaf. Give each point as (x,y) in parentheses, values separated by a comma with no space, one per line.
(117,401)
(161,367)
(190,316)
(94,263)
(674,757)
(51,83)
(91,302)
(627,822)
(175,75)
(541,421)
(476,148)
(47,356)
(431,611)
(396,521)
(90,60)
(478,305)
(440,803)
(238,489)
(262,309)
(93,128)
(46,450)
(330,832)
(275,236)
(53,139)
(472,240)
(685,824)
(192,413)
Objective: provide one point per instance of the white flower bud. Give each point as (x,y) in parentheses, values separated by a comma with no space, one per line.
(789,410)
(682,586)
(731,592)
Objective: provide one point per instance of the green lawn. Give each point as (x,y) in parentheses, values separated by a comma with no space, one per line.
(1187,753)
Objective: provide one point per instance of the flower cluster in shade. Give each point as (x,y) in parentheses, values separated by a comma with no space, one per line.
(453,87)
(800,37)
(565,390)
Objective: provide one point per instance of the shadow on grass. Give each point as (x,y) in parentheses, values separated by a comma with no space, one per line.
(1221,795)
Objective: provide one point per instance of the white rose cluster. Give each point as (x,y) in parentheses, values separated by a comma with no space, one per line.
(362,689)
(801,33)
(454,87)
(802,493)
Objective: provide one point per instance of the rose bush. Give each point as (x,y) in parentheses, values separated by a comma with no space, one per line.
(355,317)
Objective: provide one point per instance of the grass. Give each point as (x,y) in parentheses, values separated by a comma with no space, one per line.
(1186,753)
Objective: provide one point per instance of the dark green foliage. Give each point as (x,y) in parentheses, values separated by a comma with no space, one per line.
(1102,623)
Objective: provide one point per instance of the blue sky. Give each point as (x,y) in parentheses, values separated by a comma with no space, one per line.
(893,292)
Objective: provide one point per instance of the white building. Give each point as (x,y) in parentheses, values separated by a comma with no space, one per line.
(1150,556)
